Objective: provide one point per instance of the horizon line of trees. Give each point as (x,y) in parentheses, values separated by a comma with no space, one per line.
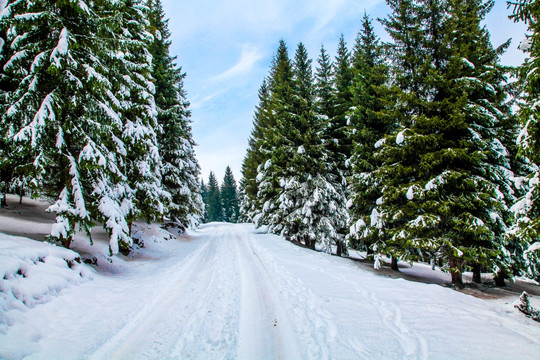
(221,202)
(94,115)
(409,148)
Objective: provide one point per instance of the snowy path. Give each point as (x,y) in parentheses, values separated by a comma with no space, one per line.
(219,304)
(231,293)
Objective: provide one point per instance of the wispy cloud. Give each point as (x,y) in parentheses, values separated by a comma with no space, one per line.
(248,58)
(197,102)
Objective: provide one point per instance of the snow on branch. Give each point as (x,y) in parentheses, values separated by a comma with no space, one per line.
(61,48)
(45,112)
(525,307)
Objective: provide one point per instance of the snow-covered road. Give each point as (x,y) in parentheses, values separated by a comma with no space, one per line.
(233,293)
(219,304)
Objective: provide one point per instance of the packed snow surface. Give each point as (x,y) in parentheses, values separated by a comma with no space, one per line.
(230,292)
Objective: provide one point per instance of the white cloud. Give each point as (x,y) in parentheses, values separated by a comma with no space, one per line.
(197,103)
(248,58)
(193,19)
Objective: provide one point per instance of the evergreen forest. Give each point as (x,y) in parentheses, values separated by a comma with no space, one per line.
(95,117)
(221,202)
(424,148)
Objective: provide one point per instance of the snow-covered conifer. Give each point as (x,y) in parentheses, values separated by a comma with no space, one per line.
(446,173)
(142,162)
(527,209)
(334,136)
(180,169)
(63,112)
(302,200)
(215,205)
(368,124)
(262,119)
(273,157)
(229,197)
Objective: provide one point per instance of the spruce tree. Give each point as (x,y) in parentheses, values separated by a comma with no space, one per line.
(483,81)
(445,170)
(369,122)
(229,197)
(254,156)
(204,197)
(274,159)
(215,205)
(303,204)
(180,168)
(62,113)
(142,165)
(527,209)
(343,78)
(9,157)
(334,136)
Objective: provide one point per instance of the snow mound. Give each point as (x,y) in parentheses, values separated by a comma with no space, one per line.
(32,273)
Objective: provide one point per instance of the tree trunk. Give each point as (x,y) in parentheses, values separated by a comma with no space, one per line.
(339,246)
(477,274)
(4,200)
(499,279)
(67,242)
(394,265)
(369,253)
(455,270)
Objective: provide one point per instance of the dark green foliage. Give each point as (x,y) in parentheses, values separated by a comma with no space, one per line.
(527,209)
(229,197)
(79,118)
(445,171)
(335,139)
(214,205)
(370,120)
(297,191)
(180,169)
(254,156)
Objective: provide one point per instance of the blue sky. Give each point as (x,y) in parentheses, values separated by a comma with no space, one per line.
(226,47)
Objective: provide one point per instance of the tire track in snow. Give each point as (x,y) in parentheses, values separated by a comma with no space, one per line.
(314,326)
(189,319)
(211,330)
(135,331)
(412,343)
(265,331)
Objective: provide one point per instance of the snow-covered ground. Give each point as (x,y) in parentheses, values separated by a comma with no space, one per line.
(229,292)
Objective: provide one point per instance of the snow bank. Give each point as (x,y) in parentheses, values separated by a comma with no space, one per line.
(33,273)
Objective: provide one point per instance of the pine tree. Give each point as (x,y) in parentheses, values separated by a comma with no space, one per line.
(369,122)
(229,197)
(204,197)
(445,170)
(483,81)
(142,165)
(340,142)
(254,156)
(61,113)
(215,205)
(527,209)
(180,169)
(334,136)
(274,158)
(244,214)
(302,202)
